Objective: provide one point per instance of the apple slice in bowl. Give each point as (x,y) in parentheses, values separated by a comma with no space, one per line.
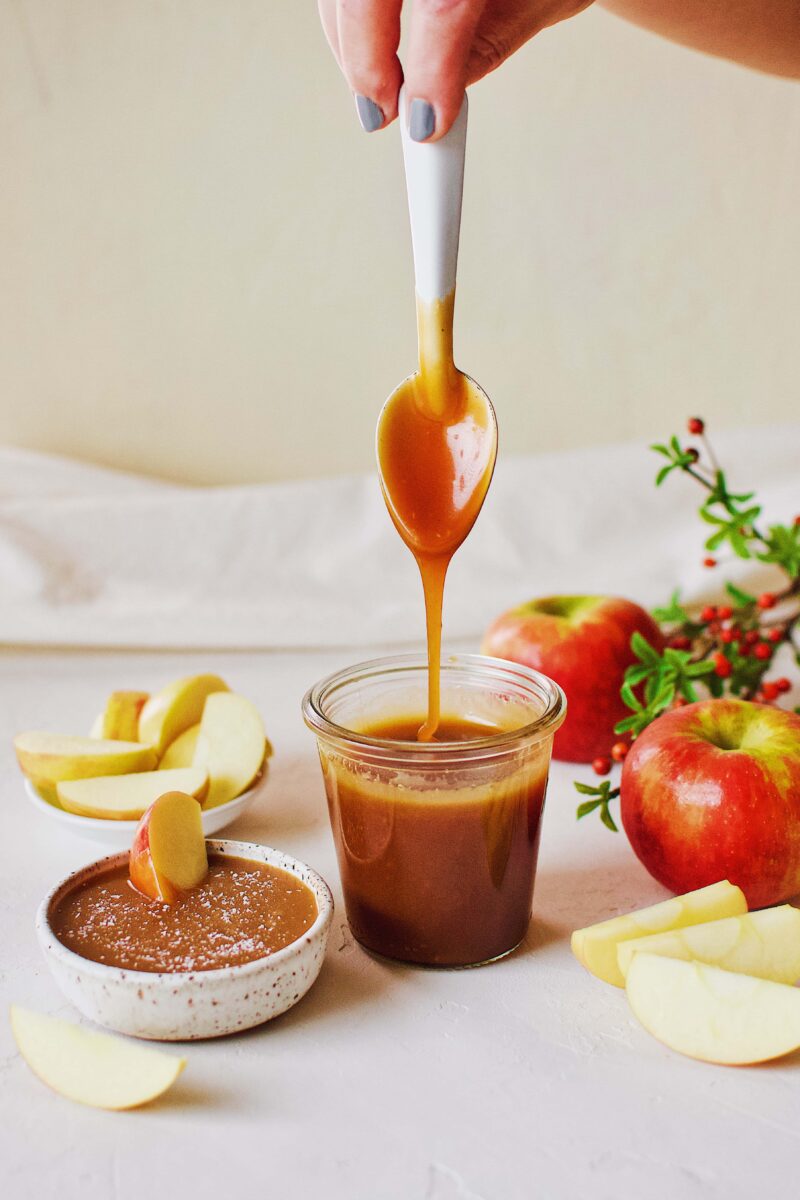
(118,835)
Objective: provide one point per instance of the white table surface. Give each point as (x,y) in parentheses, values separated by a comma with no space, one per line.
(527,1078)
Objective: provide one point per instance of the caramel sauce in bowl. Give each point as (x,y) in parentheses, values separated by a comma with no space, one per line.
(188,1004)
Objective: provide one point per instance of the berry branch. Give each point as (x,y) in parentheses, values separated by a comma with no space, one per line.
(726,649)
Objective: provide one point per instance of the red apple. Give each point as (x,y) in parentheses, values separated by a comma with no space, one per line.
(584,644)
(712,791)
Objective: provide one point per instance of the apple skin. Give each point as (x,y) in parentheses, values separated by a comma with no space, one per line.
(712,791)
(141,869)
(584,644)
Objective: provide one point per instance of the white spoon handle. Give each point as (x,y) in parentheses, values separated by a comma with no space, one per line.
(435,182)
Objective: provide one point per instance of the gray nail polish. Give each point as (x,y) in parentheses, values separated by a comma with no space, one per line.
(421,120)
(369,114)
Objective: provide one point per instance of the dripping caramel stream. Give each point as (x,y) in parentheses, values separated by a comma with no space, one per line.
(436,451)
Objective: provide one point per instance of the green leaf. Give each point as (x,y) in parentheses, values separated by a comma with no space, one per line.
(672,613)
(629,696)
(636,673)
(607,819)
(695,670)
(783,548)
(716,540)
(663,699)
(643,650)
(742,598)
(591,789)
(587,807)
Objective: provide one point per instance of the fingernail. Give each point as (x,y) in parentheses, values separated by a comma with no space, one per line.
(421,120)
(369,114)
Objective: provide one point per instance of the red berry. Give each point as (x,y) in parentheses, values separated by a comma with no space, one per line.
(708,613)
(775,635)
(619,750)
(727,636)
(743,651)
(725,612)
(709,562)
(722,666)
(691,453)
(783,684)
(770,689)
(751,637)
(766,600)
(679,702)
(601,766)
(763,651)
(680,642)
(797,519)
(695,425)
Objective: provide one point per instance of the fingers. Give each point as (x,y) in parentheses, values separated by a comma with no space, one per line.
(439,44)
(367,35)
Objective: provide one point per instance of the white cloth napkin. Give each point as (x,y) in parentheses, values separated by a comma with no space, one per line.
(99,558)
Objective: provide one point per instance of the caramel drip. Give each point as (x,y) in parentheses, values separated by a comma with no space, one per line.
(436,452)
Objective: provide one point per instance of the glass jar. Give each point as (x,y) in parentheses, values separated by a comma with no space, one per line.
(436,841)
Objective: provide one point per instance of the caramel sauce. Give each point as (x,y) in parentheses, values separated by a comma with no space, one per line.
(434,874)
(449,729)
(242,911)
(436,444)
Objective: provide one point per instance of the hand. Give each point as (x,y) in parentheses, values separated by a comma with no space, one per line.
(451,44)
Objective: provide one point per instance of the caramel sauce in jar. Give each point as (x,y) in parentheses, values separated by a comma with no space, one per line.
(437,864)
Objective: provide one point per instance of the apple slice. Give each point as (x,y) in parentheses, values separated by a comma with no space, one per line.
(51,758)
(231,746)
(92,1068)
(596,946)
(121,715)
(177,706)
(715,1015)
(180,753)
(765,944)
(168,855)
(126,797)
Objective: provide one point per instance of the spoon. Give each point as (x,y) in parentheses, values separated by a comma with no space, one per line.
(437,433)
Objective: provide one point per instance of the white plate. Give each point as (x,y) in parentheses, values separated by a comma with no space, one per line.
(118,835)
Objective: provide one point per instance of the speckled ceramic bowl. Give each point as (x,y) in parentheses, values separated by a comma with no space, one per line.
(185,1006)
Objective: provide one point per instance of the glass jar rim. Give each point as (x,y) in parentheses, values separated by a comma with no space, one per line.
(498,669)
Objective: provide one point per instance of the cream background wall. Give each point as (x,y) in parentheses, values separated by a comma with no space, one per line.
(205,270)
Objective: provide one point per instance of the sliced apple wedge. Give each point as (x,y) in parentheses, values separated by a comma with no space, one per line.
(596,946)
(177,706)
(711,1014)
(180,753)
(168,855)
(121,715)
(92,1068)
(765,944)
(127,797)
(231,746)
(51,758)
